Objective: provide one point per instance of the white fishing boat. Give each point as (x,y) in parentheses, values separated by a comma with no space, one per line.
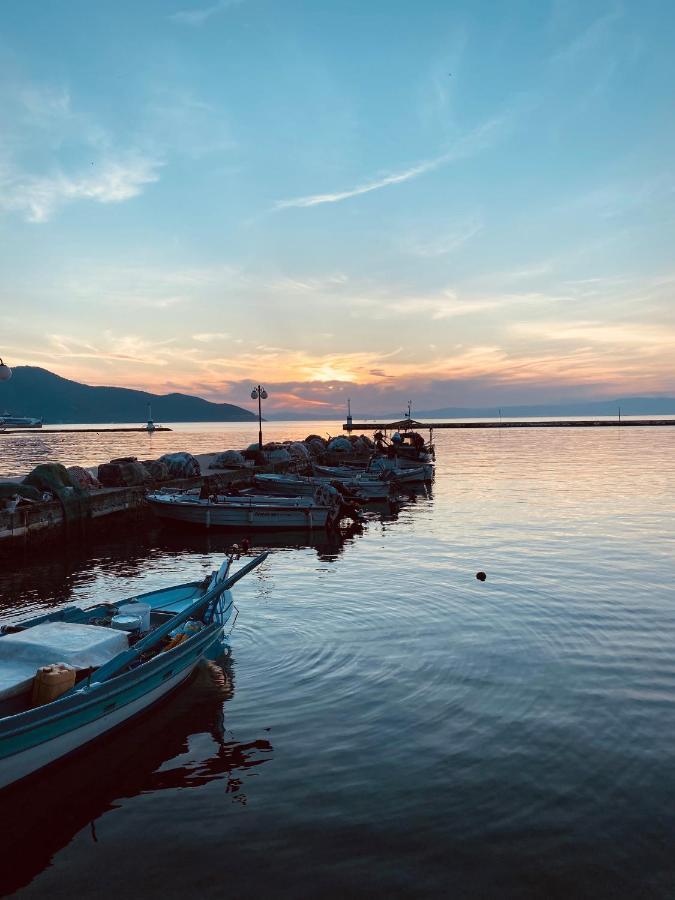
(321,510)
(402,469)
(9,421)
(355,486)
(381,468)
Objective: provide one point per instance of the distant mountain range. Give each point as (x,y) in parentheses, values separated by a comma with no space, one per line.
(630,406)
(36,392)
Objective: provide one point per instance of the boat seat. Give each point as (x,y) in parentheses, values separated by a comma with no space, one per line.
(80,646)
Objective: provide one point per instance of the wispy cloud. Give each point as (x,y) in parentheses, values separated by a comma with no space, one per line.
(196,17)
(37,197)
(586,41)
(474,142)
(448,242)
(77,158)
(207,336)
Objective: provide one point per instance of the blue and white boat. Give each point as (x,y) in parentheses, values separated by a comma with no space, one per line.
(123,664)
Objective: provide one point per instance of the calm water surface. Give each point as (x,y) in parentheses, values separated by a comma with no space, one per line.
(387,724)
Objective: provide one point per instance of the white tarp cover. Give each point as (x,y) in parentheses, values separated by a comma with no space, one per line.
(80,646)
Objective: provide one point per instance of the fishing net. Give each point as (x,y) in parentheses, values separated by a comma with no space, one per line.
(54,479)
(123,472)
(83,478)
(10,489)
(340,445)
(231,459)
(157,469)
(181,465)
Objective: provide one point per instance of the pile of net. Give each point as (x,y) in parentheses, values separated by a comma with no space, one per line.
(123,472)
(228,459)
(181,465)
(83,478)
(340,445)
(11,489)
(53,478)
(361,444)
(315,445)
(299,451)
(156,469)
(276,453)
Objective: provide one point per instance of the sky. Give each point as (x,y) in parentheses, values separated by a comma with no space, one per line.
(457,202)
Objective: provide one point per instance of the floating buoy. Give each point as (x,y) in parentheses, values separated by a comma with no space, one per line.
(481,576)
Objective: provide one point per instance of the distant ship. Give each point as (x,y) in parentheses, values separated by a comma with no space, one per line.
(9,421)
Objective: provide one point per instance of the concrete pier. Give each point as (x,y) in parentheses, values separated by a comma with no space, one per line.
(539,423)
(84,430)
(33,524)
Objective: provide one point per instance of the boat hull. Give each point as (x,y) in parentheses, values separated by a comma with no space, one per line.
(359,488)
(19,422)
(32,740)
(243,515)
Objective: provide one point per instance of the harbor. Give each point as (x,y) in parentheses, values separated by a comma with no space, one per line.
(292,484)
(249,647)
(535,677)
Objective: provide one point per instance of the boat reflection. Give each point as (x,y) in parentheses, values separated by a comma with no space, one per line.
(329,545)
(157,752)
(48,579)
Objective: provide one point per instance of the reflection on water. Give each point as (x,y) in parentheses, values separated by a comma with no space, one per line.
(433,735)
(182,743)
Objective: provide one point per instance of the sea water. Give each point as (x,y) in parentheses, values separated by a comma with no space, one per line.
(385,723)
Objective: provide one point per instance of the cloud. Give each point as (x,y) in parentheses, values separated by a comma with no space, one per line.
(635,335)
(196,17)
(585,43)
(441,245)
(208,336)
(474,142)
(51,155)
(37,197)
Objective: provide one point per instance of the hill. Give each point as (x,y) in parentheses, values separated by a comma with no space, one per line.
(33,391)
(630,406)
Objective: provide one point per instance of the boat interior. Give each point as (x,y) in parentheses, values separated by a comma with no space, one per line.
(81,638)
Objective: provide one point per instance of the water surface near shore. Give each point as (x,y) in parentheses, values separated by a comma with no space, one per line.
(389,724)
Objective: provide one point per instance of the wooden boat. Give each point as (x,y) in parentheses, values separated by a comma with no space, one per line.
(322,510)
(382,468)
(356,487)
(403,469)
(118,673)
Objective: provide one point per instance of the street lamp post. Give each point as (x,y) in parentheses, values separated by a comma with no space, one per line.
(259,393)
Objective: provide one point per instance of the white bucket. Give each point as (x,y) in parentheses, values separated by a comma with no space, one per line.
(137,608)
(126,623)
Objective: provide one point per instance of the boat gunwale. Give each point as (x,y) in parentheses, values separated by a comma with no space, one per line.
(89,695)
(236,502)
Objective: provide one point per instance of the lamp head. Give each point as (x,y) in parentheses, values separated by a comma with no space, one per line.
(254,394)
(5,372)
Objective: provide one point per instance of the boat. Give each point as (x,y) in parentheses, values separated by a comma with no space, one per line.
(9,421)
(242,510)
(383,468)
(355,486)
(402,469)
(121,663)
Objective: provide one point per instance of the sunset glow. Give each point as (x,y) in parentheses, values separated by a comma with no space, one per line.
(445,222)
